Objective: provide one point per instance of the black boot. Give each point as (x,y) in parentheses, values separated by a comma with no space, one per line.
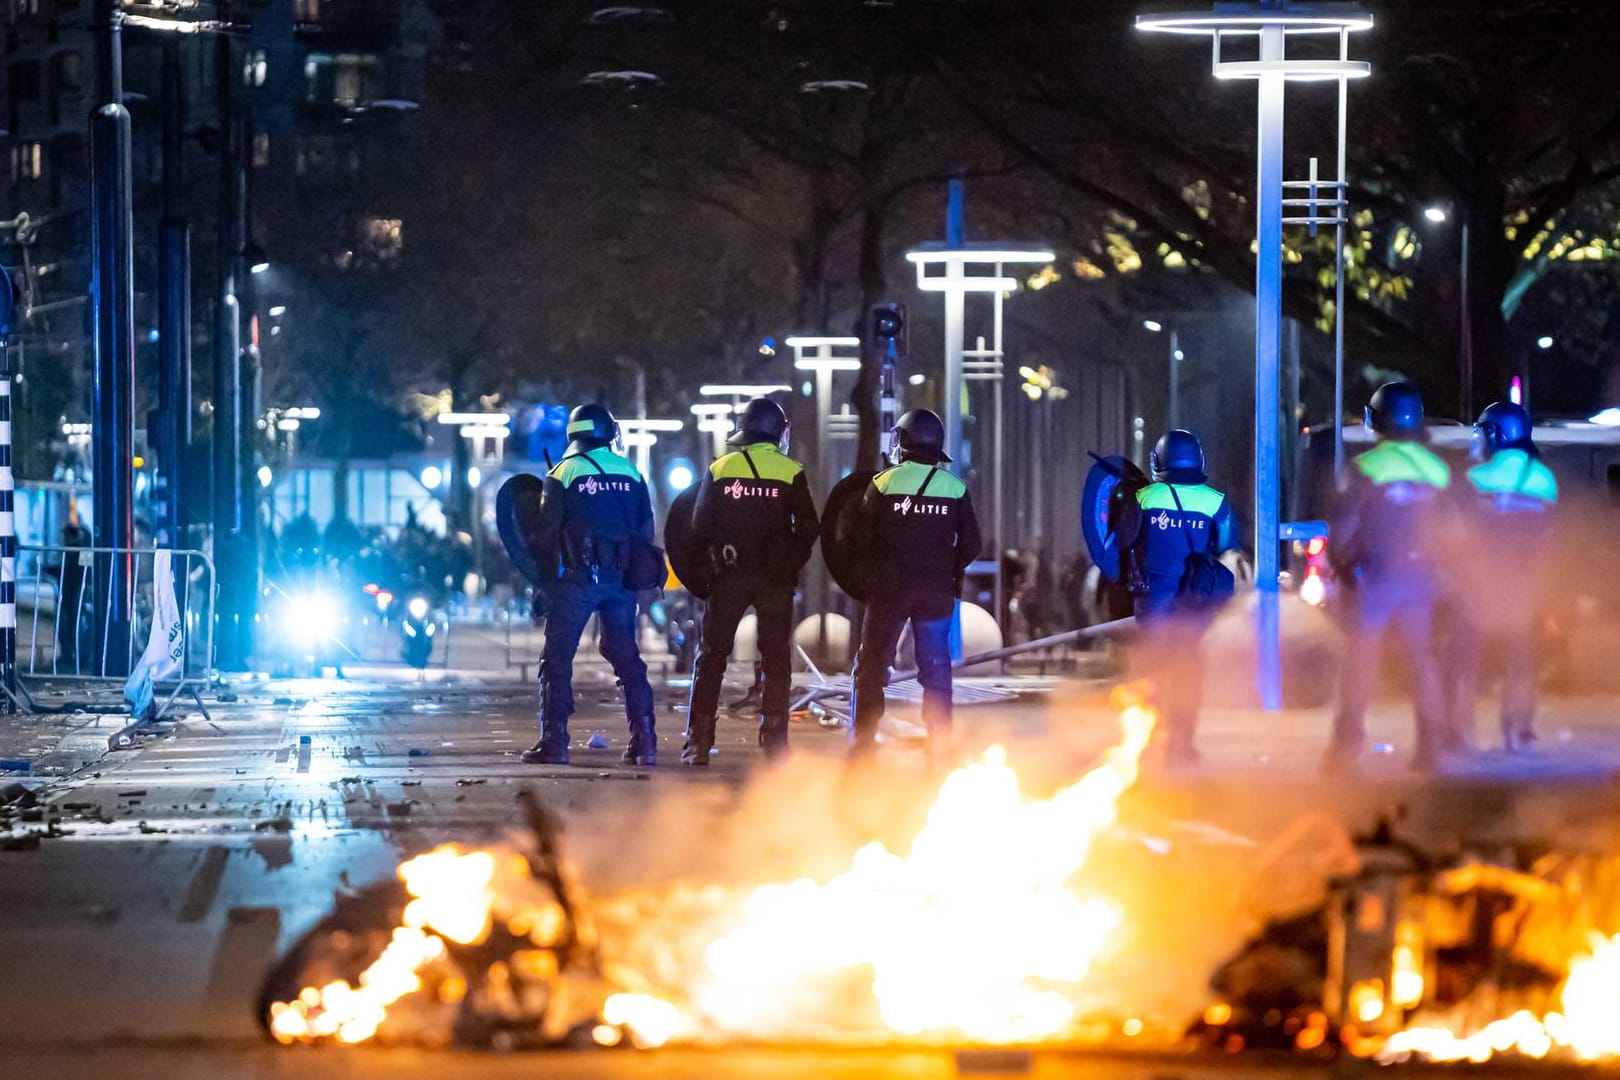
(699,740)
(552,749)
(862,739)
(643,748)
(773,736)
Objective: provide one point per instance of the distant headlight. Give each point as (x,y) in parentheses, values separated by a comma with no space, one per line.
(1313,590)
(312,617)
(418,608)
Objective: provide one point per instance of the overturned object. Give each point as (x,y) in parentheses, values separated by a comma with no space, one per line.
(481,948)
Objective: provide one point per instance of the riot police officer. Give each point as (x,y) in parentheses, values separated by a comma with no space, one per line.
(1176,517)
(1382,543)
(1511,497)
(917,520)
(755,515)
(593,513)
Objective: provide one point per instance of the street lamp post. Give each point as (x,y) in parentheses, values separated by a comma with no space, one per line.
(112,241)
(640,434)
(1272,21)
(1153,326)
(954,258)
(1465,329)
(711,421)
(174,314)
(479,429)
(956,282)
(823,361)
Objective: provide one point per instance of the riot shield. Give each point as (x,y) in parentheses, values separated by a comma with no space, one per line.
(1111,480)
(847,561)
(517,507)
(688,556)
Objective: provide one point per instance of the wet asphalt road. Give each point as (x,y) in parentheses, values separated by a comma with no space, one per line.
(132,940)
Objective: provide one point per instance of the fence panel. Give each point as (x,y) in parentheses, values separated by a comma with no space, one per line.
(63,596)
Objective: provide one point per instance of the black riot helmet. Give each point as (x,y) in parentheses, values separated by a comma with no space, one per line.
(1504,425)
(762,420)
(1178,457)
(592,426)
(920,436)
(1395,411)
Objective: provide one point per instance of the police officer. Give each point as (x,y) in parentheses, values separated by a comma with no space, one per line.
(1176,516)
(755,514)
(1512,495)
(1384,536)
(917,521)
(593,510)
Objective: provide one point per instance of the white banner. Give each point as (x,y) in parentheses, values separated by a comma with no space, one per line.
(165,652)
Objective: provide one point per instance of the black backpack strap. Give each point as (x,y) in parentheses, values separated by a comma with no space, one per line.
(750,461)
(586,456)
(926,481)
(1191,550)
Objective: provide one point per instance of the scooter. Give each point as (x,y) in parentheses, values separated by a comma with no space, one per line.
(417,630)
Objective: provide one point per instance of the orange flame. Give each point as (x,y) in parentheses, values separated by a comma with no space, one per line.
(1585,1025)
(990,862)
(917,928)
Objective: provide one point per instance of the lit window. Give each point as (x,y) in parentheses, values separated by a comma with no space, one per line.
(341,78)
(382,238)
(27,161)
(261,149)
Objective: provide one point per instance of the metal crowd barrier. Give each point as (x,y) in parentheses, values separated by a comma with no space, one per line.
(62,634)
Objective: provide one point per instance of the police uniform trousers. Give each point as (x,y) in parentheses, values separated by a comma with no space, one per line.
(929,612)
(573,600)
(1171,658)
(731,597)
(1503,622)
(1403,604)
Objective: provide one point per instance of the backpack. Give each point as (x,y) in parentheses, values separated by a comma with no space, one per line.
(1206,583)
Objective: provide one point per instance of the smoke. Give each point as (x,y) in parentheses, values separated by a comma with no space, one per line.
(672,874)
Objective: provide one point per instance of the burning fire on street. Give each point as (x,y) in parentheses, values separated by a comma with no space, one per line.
(1008,919)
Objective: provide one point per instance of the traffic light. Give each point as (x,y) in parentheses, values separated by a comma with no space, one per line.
(886,330)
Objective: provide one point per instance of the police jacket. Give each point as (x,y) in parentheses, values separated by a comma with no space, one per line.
(1514,484)
(1391,520)
(1167,522)
(918,520)
(755,513)
(593,504)
(1512,516)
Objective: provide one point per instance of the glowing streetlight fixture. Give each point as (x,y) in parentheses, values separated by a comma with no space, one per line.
(461,419)
(742,390)
(1436,214)
(817,354)
(641,434)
